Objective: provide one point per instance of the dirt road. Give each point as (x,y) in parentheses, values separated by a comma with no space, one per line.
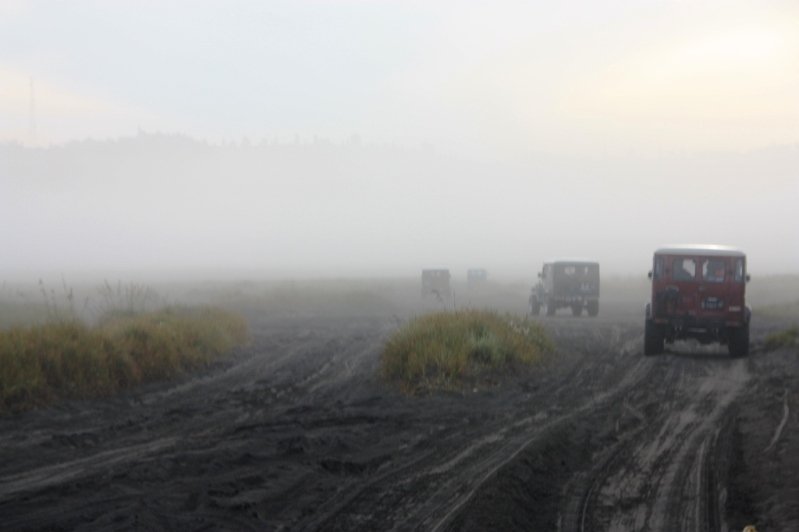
(297,432)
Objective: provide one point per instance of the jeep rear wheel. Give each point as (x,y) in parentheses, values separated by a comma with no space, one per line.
(738,341)
(550,308)
(593,308)
(654,341)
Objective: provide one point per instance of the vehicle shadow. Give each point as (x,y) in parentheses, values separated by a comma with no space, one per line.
(721,355)
(696,351)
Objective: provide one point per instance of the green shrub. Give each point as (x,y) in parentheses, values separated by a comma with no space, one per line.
(450,349)
(787,338)
(41,364)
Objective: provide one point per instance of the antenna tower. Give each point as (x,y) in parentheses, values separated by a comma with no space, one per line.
(32,117)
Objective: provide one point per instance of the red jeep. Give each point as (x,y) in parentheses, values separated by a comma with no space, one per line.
(698,292)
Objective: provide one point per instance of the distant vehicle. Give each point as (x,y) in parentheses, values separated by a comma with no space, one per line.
(567,283)
(698,292)
(435,282)
(476,276)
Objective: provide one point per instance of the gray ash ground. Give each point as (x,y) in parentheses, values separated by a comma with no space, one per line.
(297,432)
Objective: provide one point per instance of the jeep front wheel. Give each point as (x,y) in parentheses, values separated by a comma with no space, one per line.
(738,341)
(535,306)
(653,339)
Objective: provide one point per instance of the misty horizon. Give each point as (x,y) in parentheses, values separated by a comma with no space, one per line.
(168,203)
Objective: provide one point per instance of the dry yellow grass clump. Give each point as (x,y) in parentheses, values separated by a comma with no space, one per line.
(68,359)
(449,349)
(783,339)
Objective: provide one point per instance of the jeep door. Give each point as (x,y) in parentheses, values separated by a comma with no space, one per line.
(680,296)
(713,289)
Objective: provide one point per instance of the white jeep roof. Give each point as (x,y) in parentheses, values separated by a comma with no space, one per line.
(701,249)
(573,260)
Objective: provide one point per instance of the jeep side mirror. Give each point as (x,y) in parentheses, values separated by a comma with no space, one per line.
(748,278)
(649,274)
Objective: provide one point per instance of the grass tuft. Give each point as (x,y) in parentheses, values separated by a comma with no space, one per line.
(783,339)
(67,359)
(448,350)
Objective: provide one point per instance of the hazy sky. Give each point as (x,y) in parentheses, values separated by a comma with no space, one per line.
(496,77)
(613,125)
